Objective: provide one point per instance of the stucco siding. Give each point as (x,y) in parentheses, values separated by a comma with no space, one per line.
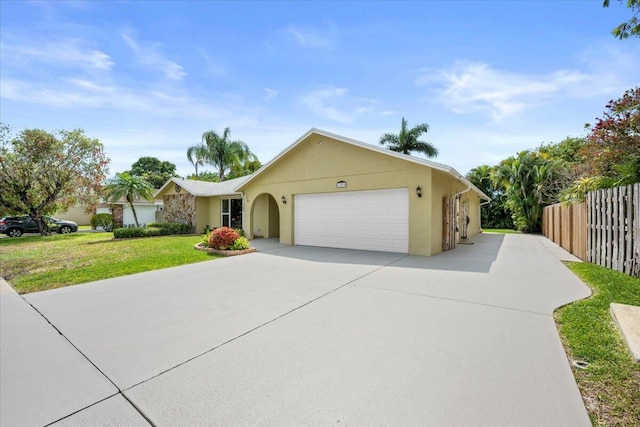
(474,213)
(214,219)
(202,214)
(76,214)
(318,163)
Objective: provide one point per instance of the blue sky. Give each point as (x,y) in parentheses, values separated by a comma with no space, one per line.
(148,78)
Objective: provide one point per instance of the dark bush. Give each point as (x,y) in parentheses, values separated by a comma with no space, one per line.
(103,220)
(129,232)
(167,228)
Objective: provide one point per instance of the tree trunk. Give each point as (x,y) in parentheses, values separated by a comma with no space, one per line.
(42,227)
(135,215)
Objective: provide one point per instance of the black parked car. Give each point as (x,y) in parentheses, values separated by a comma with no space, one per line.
(16,226)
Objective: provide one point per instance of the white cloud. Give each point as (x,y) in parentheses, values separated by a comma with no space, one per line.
(476,87)
(316,101)
(270,93)
(67,53)
(72,93)
(147,54)
(310,39)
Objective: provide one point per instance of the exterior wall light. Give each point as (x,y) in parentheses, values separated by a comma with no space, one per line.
(284,200)
(419,191)
(341,184)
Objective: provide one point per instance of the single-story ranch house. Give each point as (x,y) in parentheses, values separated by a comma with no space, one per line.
(328,190)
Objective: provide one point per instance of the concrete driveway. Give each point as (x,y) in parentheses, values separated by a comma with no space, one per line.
(302,336)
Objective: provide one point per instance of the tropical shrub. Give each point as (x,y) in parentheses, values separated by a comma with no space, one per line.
(152,231)
(240,244)
(240,231)
(223,238)
(129,232)
(104,220)
(167,228)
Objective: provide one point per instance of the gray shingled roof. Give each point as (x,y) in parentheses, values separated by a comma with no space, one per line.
(205,188)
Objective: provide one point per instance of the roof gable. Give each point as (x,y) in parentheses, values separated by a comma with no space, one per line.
(423,162)
(206,188)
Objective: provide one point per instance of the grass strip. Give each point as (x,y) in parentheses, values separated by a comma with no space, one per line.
(500,230)
(39,263)
(610,385)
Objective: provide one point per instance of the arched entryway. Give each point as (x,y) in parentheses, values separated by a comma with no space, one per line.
(265,217)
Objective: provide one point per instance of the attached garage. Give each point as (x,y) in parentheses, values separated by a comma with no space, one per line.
(328,190)
(376,220)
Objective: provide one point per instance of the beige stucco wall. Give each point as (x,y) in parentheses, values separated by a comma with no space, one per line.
(266,217)
(202,214)
(474,213)
(317,163)
(76,214)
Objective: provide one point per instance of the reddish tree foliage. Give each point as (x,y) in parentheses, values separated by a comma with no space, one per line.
(615,138)
(223,237)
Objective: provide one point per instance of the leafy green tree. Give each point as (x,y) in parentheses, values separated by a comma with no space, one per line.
(615,137)
(196,155)
(156,172)
(131,188)
(632,26)
(205,176)
(495,214)
(407,140)
(610,156)
(42,172)
(221,152)
(526,178)
(244,168)
(567,150)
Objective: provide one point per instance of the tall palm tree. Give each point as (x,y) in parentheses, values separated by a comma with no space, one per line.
(223,153)
(407,140)
(129,187)
(196,155)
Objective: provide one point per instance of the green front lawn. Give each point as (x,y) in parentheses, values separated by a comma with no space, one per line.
(38,263)
(610,385)
(500,230)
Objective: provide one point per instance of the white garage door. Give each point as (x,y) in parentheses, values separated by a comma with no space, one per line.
(375,220)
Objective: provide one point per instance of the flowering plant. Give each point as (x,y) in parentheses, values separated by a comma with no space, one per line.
(223,238)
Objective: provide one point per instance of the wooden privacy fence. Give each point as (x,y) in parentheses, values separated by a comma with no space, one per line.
(605,230)
(567,226)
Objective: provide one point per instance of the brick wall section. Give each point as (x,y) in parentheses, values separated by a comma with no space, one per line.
(180,208)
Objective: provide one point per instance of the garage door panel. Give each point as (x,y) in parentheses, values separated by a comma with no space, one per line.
(367,220)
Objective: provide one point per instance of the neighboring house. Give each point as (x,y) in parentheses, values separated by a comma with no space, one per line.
(77,214)
(123,215)
(328,190)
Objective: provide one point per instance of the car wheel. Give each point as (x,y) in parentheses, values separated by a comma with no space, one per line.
(15,232)
(65,230)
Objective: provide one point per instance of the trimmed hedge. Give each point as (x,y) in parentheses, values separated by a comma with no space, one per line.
(129,232)
(167,228)
(152,229)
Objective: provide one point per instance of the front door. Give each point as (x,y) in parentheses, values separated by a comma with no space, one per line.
(232,213)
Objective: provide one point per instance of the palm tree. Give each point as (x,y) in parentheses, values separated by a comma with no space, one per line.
(407,140)
(223,153)
(196,155)
(129,187)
